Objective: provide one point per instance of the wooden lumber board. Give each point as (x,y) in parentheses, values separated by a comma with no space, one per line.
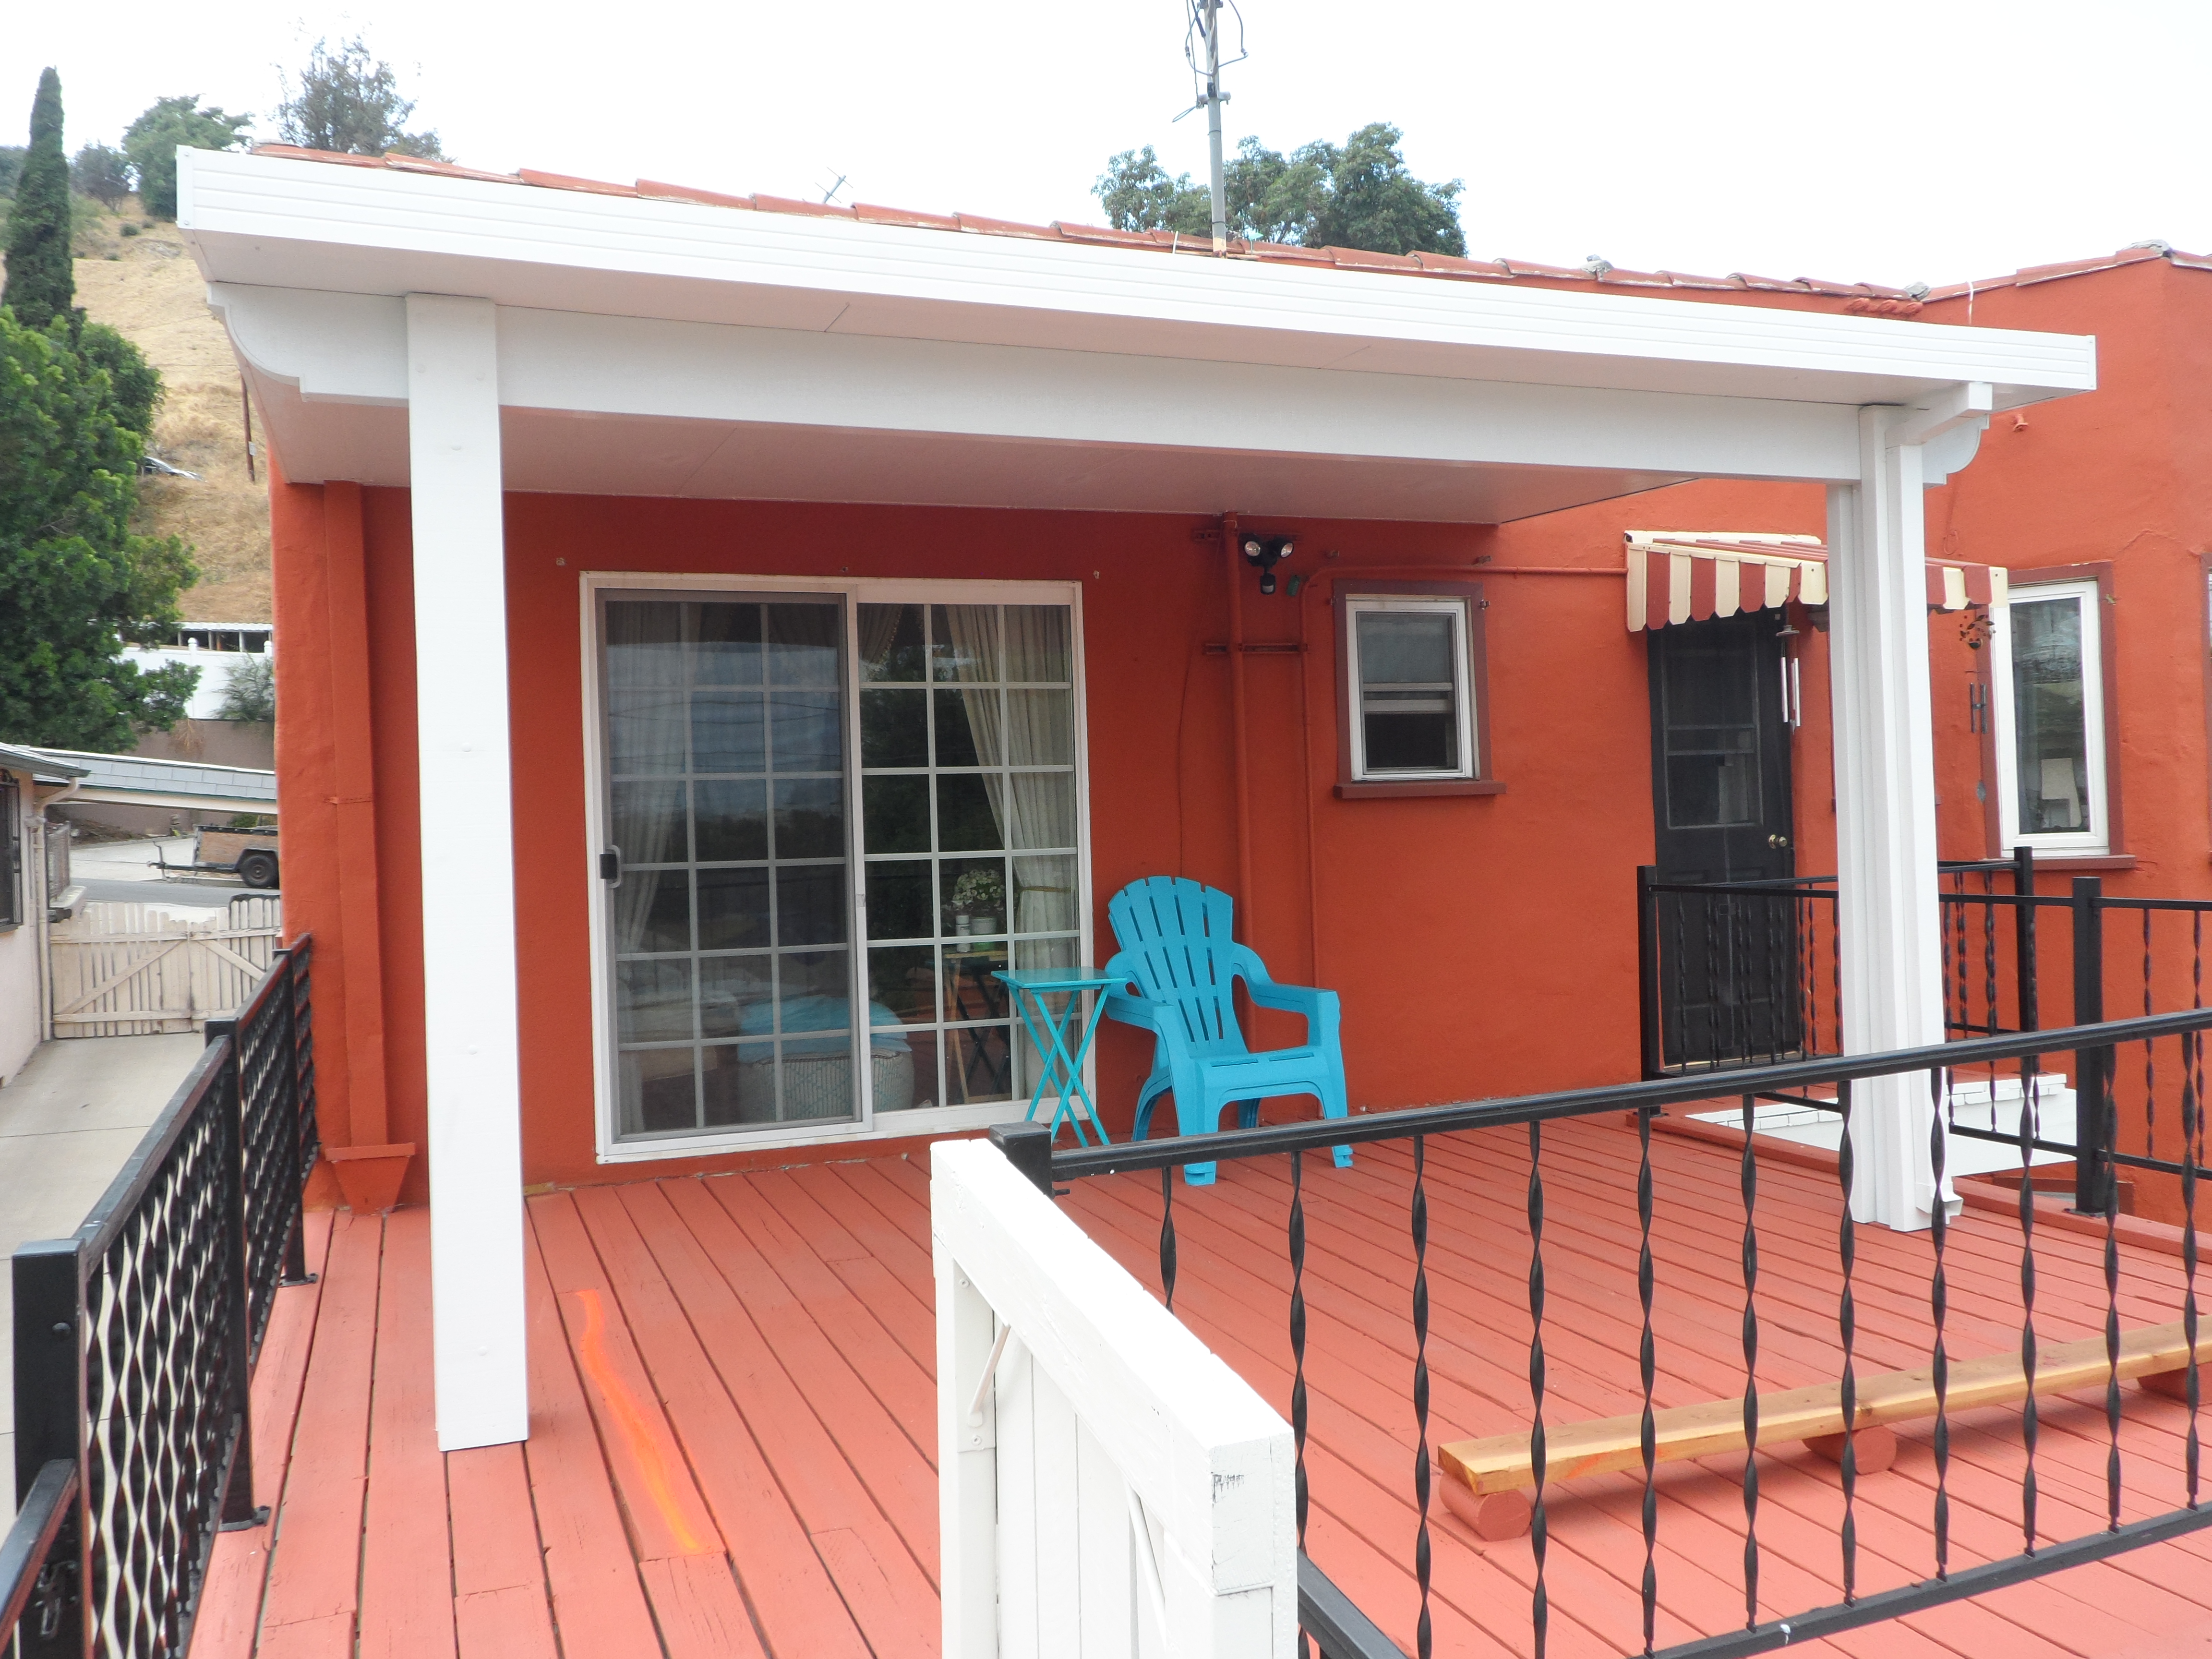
(899,1204)
(853,1326)
(229,1616)
(882,1215)
(700,1614)
(406,1543)
(327,1637)
(879,1264)
(889,1471)
(667,1517)
(687,1232)
(494,1527)
(513,1623)
(598,1604)
(314,1574)
(793,1597)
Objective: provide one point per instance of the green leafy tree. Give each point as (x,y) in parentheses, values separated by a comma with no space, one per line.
(151,142)
(102,172)
(11,166)
(249,690)
(41,281)
(134,385)
(349,101)
(75,586)
(1359,194)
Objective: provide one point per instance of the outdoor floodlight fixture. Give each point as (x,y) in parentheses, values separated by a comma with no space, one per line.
(1267,552)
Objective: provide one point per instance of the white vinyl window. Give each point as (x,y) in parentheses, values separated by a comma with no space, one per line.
(827,815)
(2046,659)
(1412,709)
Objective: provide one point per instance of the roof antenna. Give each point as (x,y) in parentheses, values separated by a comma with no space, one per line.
(1202,41)
(830,194)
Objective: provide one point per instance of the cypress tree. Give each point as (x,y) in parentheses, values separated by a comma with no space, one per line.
(41,281)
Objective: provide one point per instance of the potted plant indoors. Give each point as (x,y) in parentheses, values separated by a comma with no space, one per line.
(979,899)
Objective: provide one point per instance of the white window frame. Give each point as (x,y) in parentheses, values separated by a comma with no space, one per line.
(2097,839)
(1359,604)
(854,593)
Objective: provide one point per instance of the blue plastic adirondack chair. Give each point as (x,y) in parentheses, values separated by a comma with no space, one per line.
(1176,949)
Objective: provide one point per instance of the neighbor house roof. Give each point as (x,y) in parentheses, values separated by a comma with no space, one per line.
(148,780)
(1869,298)
(40,765)
(2028,275)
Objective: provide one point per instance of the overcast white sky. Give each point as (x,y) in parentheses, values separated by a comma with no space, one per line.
(1935,142)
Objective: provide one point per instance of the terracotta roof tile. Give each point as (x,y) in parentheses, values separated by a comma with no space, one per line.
(1288,254)
(1680,279)
(809,209)
(978,224)
(1143,238)
(568,181)
(293,152)
(1450,265)
(1522,268)
(1357,258)
(663,193)
(888,215)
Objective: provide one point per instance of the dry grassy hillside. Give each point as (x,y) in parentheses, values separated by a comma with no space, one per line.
(147,288)
(151,293)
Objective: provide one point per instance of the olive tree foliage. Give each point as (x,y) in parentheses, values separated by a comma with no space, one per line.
(102,172)
(1357,194)
(348,101)
(76,586)
(151,142)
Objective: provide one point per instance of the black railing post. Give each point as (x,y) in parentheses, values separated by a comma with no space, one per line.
(2023,938)
(1028,1147)
(1647,970)
(238,1506)
(49,1362)
(2094,1190)
(295,1177)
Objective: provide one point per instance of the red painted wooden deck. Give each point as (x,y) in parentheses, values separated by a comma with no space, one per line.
(733,1421)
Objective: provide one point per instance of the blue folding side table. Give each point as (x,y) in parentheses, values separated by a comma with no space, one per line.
(1050,1031)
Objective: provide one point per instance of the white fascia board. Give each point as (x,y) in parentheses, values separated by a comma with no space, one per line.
(308,224)
(351,349)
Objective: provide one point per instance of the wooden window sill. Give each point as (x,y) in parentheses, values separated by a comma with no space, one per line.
(1406,790)
(2085,864)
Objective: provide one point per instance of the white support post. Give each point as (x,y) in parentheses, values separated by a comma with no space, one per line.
(468,872)
(967,1463)
(1890,925)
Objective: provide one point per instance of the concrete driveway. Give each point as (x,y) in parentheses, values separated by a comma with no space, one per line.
(68,1120)
(127,872)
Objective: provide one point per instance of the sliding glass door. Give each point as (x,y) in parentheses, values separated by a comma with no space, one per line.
(753,984)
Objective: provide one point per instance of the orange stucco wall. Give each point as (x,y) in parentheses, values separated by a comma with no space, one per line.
(1480,945)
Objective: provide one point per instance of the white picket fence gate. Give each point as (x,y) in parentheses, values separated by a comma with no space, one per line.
(120,970)
(1108,1487)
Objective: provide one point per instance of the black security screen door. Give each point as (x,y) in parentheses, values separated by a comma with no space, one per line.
(1721,808)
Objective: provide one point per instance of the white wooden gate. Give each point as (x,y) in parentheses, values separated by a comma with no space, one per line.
(119,971)
(1108,1487)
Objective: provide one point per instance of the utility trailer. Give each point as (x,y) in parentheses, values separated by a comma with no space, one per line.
(249,855)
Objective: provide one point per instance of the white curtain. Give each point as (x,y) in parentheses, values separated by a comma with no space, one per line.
(1019,728)
(646,716)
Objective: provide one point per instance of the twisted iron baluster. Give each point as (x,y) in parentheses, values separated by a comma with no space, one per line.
(1647,1363)
(1989,962)
(1750,1374)
(1713,902)
(2191,1106)
(2150,1062)
(1298,1242)
(1847,1320)
(2030,1420)
(1539,1611)
(2104,1074)
(1168,1236)
(1939,1305)
(1425,1641)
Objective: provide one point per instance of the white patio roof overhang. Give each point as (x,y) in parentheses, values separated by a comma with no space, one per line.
(666,348)
(465,337)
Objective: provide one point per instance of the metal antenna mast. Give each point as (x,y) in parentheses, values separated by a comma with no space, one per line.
(1202,46)
(1210,20)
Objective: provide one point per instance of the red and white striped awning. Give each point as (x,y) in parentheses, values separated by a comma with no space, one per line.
(1687,575)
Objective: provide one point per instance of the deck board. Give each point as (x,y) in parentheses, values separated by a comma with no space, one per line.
(734,1453)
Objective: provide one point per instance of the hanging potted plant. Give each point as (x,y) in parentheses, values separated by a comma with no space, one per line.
(980,899)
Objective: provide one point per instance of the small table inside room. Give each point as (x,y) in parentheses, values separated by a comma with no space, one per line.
(1082,991)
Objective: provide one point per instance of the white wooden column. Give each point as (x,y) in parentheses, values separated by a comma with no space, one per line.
(1890,923)
(468,871)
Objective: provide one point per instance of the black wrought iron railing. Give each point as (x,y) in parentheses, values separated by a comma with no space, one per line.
(2130,1485)
(135,1340)
(1742,975)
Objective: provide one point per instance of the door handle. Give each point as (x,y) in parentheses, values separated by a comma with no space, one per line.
(1777,841)
(611,870)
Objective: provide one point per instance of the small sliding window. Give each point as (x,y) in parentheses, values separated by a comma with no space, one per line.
(1412,700)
